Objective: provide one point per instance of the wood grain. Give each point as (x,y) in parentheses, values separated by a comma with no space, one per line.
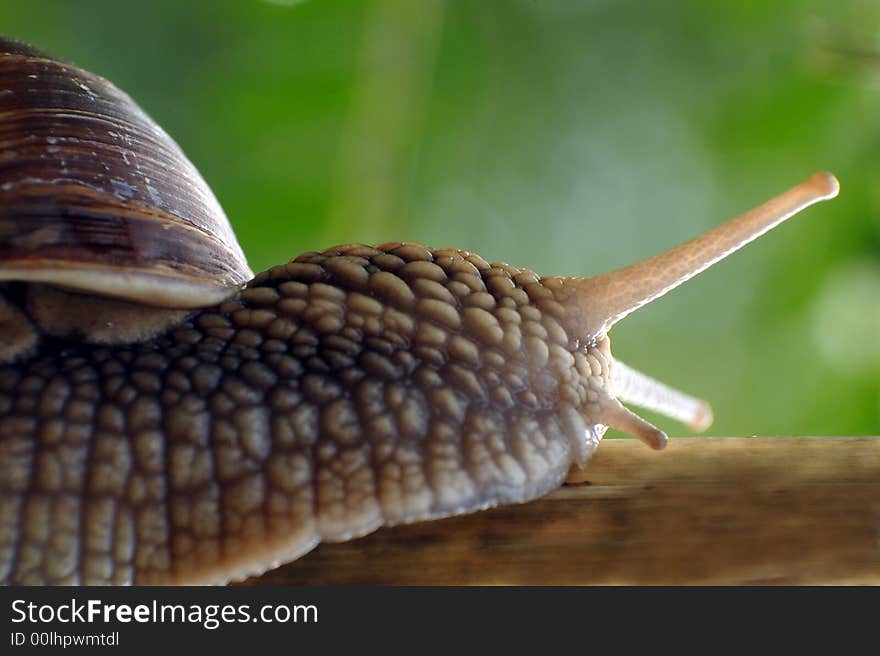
(704,511)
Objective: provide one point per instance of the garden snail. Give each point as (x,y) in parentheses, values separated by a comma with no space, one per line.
(166,417)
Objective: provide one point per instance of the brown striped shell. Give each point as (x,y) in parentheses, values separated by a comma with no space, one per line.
(96,197)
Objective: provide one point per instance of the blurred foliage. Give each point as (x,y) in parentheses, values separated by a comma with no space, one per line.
(568,136)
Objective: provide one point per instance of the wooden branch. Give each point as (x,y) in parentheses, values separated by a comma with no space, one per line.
(704,511)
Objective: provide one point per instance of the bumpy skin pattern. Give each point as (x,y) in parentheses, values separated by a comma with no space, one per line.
(348,389)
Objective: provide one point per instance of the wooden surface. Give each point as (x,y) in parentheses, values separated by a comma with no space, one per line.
(704,511)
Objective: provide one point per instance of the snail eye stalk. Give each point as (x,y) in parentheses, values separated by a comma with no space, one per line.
(609,297)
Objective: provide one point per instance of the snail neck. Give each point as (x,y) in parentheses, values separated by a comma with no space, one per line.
(31,310)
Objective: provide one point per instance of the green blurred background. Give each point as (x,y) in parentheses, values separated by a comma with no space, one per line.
(568,136)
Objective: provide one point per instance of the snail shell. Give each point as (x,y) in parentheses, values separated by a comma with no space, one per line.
(346,390)
(96,197)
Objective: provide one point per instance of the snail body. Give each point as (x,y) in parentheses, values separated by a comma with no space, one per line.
(165,417)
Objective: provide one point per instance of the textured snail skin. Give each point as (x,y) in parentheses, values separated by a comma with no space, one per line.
(346,390)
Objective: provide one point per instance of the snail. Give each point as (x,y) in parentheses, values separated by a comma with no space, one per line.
(168,417)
